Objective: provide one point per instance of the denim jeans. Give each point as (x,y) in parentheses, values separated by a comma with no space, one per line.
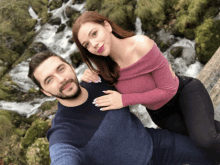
(171,148)
(190,112)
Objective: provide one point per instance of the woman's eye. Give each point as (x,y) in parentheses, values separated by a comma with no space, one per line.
(94,33)
(86,45)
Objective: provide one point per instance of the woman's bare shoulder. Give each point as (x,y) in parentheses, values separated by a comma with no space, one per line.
(143,45)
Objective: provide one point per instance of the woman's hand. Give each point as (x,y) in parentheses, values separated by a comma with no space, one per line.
(90,76)
(113,100)
(173,73)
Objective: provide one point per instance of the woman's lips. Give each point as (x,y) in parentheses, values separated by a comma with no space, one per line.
(101,49)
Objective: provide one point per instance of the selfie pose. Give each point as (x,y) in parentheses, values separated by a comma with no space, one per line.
(141,74)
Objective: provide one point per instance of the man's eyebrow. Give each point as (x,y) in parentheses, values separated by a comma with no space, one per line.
(45,80)
(88,35)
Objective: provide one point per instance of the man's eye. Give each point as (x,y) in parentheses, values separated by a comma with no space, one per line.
(49,80)
(61,69)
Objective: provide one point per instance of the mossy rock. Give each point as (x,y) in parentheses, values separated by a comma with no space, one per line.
(13,152)
(54,4)
(38,129)
(176,51)
(73,18)
(34,48)
(151,13)
(207,39)
(8,55)
(48,105)
(38,153)
(6,127)
(76,58)
(45,16)
(93,5)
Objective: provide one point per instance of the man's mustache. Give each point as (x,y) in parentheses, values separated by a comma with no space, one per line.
(65,83)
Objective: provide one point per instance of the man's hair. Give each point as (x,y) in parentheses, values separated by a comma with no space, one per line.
(36,60)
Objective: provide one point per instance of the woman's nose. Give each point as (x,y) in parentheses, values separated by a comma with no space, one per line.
(94,43)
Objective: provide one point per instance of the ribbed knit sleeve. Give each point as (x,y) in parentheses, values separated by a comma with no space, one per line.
(152,76)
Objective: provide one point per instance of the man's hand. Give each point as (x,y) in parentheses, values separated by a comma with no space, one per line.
(90,76)
(113,100)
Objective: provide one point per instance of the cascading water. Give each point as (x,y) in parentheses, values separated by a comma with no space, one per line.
(58,43)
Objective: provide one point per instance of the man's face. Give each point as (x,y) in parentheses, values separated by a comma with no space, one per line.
(57,78)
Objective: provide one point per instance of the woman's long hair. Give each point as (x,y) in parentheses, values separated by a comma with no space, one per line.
(108,68)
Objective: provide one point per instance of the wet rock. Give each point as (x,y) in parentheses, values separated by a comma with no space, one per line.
(70,11)
(65,1)
(55,21)
(76,59)
(38,153)
(176,51)
(61,28)
(71,40)
(73,18)
(39,47)
(78,1)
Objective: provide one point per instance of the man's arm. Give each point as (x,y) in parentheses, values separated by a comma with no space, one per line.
(65,154)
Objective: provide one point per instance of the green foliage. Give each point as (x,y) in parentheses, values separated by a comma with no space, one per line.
(48,105)
(207,39)
(192,14)
(119,11)
(38,153)
(93,5)
(38,129)
(151,13)
(54,4)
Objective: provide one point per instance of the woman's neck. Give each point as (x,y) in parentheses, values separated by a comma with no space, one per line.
(119,49)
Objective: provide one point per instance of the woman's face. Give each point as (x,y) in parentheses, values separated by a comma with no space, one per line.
(96,38)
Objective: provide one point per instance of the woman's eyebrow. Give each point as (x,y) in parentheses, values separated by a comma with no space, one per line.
(88,35)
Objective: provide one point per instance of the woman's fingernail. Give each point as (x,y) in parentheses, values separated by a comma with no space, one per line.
(103,91)
(100,79)
(96,105)
(96,81)
(93,102)
(90,81)
(101,109)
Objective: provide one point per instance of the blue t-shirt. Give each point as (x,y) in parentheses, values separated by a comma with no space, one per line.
(85,135)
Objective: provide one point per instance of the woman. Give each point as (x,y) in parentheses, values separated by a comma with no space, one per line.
(141,73)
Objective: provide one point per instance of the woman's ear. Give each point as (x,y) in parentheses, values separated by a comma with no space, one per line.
(107,26)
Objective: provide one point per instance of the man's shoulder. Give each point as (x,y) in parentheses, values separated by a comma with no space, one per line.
(97,86)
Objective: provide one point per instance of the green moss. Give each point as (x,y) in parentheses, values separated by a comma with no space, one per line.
(38,129)
(207,39)
(176,51)
(45,16)
(54,4)
(8,55)
(151,13)
(38,153)
(48,105)
(119,11)
(6,127)
(73,18)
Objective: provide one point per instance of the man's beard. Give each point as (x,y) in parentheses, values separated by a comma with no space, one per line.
(70,97)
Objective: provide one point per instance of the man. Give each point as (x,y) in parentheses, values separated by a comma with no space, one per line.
(82,134)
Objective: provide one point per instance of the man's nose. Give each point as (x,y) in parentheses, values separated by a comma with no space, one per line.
(60,78)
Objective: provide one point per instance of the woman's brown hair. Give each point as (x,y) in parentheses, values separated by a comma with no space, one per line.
(108,68)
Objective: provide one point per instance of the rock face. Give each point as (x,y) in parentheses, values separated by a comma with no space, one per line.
(210,77)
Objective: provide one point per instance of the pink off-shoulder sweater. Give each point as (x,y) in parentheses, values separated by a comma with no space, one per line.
(148,81)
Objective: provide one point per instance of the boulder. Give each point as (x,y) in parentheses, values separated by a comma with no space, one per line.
(55,21)
(61,28)
(38,153)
